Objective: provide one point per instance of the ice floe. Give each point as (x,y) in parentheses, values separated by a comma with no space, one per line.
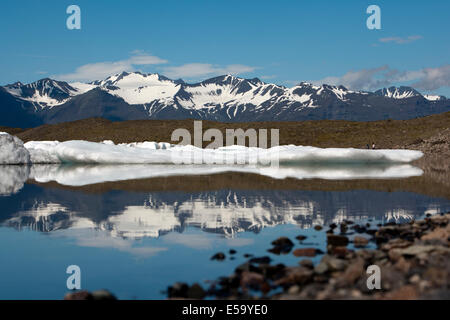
(12,150)
(165,153)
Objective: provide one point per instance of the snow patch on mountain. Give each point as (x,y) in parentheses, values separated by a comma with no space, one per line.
(398,92)
(138,88)
(433,97)
(43,93)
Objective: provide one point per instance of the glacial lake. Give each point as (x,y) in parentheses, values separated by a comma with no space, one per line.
(135,230)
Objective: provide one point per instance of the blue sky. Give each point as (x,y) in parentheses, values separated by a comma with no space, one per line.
(283,42)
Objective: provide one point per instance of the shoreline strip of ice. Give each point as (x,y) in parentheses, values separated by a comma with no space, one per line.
(85,152)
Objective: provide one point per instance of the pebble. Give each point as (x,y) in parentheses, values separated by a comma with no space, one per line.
(261,260)
(360,242)
(196,292)
(305,252)
(283,241)
(307,263)
(220,256)
(337,240)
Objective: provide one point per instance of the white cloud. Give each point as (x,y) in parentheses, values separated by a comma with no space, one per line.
(400,40)
(433,78)
(383,76)
(365,79)
(101,70)
(196,70)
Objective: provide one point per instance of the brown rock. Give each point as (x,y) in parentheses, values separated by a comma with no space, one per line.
(416,250)
(307,263)
(337,240)
(78,295)
(396,243)
(103,295)
(438,234)
(305,252)
(321,268)
(394,254)
(408,292)
(220,256)
(296,275)
(340,252)
(360,242)
(403,265)
(354,271)
(282,241)
(333,263)
(251,280)
(196,292)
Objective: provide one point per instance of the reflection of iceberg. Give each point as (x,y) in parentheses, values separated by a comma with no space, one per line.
(12,178)
(79,175)
(154,153)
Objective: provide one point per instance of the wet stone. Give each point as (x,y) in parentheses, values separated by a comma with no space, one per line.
(360,242)
(178,290)
(220,256)
(261,260)
(305,252)
(196,292)
(337,240)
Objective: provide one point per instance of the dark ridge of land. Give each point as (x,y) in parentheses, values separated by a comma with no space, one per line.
(13,131)
(319,133)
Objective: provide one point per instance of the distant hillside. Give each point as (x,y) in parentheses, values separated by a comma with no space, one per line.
(322,133)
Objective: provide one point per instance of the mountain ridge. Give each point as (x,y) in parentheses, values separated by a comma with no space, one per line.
(226,98)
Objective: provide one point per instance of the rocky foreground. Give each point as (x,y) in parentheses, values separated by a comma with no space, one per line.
(413,259)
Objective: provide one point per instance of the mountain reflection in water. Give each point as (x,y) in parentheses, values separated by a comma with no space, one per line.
(138,214)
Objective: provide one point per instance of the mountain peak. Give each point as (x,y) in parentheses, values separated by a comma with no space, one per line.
(401,92)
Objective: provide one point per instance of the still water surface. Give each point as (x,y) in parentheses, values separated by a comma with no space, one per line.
(136,238)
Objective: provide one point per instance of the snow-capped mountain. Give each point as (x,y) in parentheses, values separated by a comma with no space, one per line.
(43,93)
(398,93)
(134,95)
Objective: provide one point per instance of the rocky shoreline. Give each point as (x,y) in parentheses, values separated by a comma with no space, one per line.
(413,260)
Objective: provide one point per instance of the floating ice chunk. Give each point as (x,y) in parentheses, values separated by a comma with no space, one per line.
(12,150)
(148,145)
(166,153)
(43,151)
(109,142)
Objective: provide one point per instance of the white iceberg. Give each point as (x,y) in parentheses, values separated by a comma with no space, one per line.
(12,150)
(43,151)
(165,153)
